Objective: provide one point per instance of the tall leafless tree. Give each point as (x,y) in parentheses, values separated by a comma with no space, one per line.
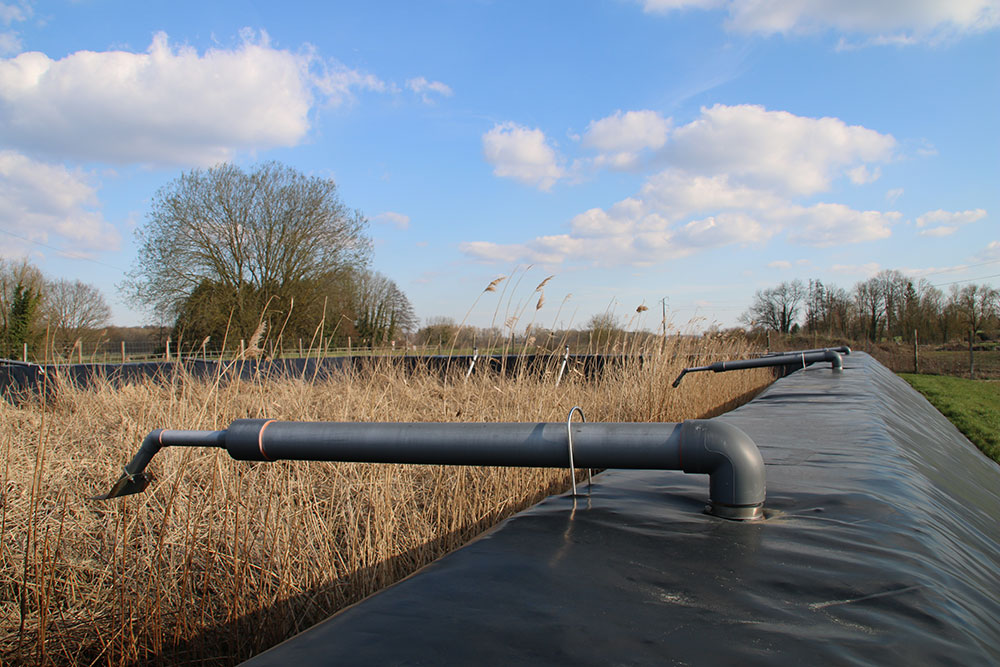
(776,308)
(74,310)
(244,239)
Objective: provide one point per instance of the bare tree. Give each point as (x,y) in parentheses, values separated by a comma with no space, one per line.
(74,310)
(868,298)
(776,308)
(247,237)
(975,304)
(381,309)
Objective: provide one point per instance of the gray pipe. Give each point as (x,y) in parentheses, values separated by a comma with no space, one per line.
(843,349)
(722,451)
(804,358)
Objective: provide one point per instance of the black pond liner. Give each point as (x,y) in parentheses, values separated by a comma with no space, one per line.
(18,380)
(881,546)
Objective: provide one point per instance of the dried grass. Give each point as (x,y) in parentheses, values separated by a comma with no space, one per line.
(221,559)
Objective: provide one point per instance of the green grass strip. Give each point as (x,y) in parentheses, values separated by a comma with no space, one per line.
(973,406)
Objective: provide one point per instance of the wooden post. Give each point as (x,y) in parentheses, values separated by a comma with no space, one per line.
(243,349)
(25,353)
(972,365)
(79,350)
(916,357)
(300,348)
(768,347)
(168,349)
(123,352)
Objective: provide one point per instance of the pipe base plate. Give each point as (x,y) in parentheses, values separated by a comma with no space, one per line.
(736,512)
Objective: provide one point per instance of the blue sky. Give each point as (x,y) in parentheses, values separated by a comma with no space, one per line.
(693,150)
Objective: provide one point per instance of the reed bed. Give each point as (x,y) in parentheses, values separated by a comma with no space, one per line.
(220,559)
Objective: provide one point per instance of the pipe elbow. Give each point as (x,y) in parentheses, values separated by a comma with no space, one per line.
(836,361)
(737,485)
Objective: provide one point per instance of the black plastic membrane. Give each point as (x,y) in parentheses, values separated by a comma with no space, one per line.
(881,546)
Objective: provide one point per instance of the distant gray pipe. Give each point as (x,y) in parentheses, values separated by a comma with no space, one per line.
(720,450)
(803,358)
(843,349)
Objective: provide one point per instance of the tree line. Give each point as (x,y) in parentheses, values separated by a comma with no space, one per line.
(33,307)
(887,306)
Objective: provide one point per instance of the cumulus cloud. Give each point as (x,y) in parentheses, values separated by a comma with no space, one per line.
(39,200)
(776,150)
(825,225)
(734,176)
(887,22)
(425,89)
(620,137)
(168,105)
(397,220)
(522,154)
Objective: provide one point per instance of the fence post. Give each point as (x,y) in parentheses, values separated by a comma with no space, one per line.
(972,365)
(25,353)
(916,358)
(123,352)
(168,349)
(79,350)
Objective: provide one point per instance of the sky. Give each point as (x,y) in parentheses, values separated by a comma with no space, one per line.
(676,154)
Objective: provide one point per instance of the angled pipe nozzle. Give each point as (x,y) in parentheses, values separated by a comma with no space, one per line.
(135,479)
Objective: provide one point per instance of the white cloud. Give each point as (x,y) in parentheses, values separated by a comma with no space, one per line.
(892,195)
(777,150)
(887,22)
(990,252)
(780,264)
(39,200)
(670,5)
(947,222)
(861,175)
(168,105)
(397,220)
(864,270)
(825,225)
(944,230)
(523,154)
(13,12)
(424,88)
(10,40)
(734,176)
(941,217)
(620,137)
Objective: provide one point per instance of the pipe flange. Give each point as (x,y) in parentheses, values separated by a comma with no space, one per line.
(736,512)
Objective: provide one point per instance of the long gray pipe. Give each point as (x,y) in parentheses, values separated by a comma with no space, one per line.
(720,450)
(804,358)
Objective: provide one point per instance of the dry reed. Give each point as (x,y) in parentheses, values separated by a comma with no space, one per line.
(221,559)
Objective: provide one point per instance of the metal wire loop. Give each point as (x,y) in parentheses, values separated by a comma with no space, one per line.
(569,439)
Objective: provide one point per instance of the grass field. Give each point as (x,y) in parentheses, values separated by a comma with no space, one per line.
(972,405)
(220,559)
